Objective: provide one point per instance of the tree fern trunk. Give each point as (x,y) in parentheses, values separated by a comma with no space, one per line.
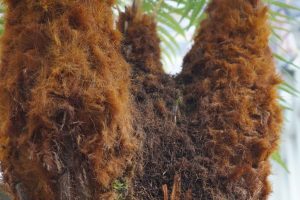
(65,110)
(156,106)
(218,147)
(229,82)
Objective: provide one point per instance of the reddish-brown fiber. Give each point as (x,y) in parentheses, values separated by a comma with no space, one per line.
(75,118)
(65,105)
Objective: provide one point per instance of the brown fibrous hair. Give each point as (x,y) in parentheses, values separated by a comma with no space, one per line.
(66,128)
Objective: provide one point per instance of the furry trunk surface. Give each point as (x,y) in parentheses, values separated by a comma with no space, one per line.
(69,129)
(156,106)
(65,110)
(216,143)
(230,91)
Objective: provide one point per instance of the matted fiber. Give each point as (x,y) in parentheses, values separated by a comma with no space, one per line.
(216,143)
(72,124)
(66,125)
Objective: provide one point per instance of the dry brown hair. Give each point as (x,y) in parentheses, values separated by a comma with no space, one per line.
(229,85)
(65,109)
(69,128)
(156,106)
(229,120)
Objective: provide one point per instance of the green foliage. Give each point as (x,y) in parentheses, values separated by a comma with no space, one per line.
(278,159)
(2,10)
(120,188)
(175,17)
(168,14)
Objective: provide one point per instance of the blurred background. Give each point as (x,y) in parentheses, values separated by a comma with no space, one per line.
(286,182)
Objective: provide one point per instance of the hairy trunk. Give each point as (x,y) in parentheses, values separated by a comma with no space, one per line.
(217,141)
(229,86)
(65,110)
(156,105)
(69,130)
